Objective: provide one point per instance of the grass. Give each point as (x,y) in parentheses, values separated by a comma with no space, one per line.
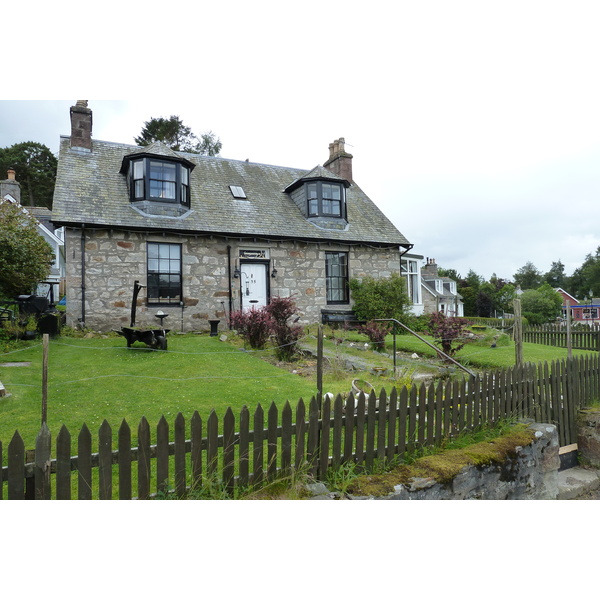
(95,379)
(483,356)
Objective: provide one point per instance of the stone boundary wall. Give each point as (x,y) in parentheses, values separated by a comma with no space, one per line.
(588,436)
(531,475)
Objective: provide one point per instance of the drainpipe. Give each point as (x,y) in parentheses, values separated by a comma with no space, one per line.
(410,247)
(229,279)
(82,320)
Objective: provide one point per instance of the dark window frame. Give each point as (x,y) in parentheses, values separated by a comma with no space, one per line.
(174,277)
(336,283)
(319,205)
(140,183)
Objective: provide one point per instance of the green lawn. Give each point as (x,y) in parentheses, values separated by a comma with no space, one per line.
(95,379)
(483,356)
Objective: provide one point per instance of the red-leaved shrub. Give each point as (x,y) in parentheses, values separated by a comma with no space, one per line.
(257,325)
(254,325)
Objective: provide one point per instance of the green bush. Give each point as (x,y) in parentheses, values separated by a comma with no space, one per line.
(418,323)
(383,298)
(541,305)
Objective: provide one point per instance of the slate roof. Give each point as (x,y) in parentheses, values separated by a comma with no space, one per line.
(91,190)
(429,285)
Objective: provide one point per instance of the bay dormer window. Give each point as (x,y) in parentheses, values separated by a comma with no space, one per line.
(159,180)
(320,195)
(325,199)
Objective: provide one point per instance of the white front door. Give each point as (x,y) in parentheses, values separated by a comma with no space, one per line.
(253,279)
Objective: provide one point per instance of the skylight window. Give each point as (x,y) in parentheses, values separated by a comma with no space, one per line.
(238,191)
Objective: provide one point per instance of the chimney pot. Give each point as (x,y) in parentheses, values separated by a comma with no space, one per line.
(10,185)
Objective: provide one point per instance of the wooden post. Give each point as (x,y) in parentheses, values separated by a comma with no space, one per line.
(320,360)
(45,339)
(394,349)
(518,332)
(569,340)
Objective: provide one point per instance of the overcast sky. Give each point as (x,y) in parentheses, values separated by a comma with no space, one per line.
(474,125)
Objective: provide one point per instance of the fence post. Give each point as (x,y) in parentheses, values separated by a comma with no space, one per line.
(42,464)
(518,332)
(45,339)
(569,340)
(320,360)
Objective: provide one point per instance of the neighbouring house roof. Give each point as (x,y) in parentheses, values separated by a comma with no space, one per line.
(566,294)
(429,285)
(91,189)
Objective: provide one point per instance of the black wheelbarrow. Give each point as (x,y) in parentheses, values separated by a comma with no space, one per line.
(155,338)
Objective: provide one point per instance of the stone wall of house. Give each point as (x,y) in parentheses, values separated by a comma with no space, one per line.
(115,259)
(430,304)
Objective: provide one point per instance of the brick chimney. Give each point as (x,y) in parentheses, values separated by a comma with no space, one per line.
(81,125)
(11,186)
(339,161)
(430,269)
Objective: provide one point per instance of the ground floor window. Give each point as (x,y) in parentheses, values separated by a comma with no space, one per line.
(164,273)
(336,277)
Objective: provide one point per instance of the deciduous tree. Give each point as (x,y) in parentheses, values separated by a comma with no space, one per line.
(35,168)
(178,136)
(25,256)
(541,305)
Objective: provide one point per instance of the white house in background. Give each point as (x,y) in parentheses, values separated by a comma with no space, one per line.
(440,294)
(10,191)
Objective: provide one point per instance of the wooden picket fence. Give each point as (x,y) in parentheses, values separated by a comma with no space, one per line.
(582,338)
(318,436)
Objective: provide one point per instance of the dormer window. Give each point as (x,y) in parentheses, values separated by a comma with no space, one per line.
(324,199)
(321,197)
(159,180)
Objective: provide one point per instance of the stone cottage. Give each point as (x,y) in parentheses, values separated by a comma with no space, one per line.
(440,293)
(206,236)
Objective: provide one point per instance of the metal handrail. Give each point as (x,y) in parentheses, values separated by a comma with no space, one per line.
(426,342)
